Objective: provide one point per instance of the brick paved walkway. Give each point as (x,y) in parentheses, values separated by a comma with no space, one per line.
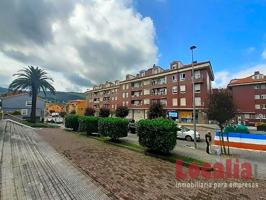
(131,175)
(31,169)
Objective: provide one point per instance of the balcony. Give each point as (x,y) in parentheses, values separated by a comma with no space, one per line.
(139,88)
(199,79)
(136,103)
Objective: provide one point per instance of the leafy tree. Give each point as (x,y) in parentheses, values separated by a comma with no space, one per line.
(121,111)
(156,111)
(104,112)
(73,112)
(33,80)
(221,109)
(62,114)
(89,111)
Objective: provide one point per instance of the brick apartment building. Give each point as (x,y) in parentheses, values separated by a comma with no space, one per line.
(249,96)
(171,87)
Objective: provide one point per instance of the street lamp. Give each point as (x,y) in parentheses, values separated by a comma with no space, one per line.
(193,95)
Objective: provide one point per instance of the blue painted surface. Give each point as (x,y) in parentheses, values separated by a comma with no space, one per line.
(245,135)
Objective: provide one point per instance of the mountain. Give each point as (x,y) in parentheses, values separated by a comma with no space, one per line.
(59,97)
(3,90)
(62,97)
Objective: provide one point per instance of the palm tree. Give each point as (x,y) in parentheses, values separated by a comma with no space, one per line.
(33,80)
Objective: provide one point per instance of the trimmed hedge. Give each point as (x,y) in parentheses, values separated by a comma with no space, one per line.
(158,135)
(72,121)
(261,127)
(113,127)
(88,124)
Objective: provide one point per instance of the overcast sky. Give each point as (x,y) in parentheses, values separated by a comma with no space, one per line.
(86,42)
(80,43)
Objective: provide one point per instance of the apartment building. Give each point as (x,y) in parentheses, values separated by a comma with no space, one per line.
(249,96)
(171,87)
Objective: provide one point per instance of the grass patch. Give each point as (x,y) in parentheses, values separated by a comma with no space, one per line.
(39,125)
(171,157)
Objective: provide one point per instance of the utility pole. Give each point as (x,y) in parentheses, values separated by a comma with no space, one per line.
(193,95)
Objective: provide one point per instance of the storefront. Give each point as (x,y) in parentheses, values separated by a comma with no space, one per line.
(172,114)
(185,116)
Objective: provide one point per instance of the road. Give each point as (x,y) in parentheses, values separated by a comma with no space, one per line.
(186,148)
(32,169)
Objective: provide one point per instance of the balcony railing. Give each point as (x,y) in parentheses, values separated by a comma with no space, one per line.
(199,79)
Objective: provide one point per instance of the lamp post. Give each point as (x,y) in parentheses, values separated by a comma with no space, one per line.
(193,95)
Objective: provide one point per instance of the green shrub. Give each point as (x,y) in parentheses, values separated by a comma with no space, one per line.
(88,124)
(121,111)
(158,135)
(71,121)
(156,111)
(104,112)
(261,127)
(16,112)
(113,127)
(89,111)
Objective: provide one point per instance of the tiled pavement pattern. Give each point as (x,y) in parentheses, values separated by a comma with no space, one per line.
(31,169)
(134,176)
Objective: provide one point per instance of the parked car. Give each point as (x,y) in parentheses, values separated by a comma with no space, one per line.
(55,118)
(187,134)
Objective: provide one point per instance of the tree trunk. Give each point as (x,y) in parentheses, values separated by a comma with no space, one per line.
(227,137)
(222,138)
(33,105)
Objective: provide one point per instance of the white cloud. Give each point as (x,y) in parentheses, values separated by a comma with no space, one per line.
(222,78)
(263,55)
(80,42)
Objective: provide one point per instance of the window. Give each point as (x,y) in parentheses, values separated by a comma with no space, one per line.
(24,112)
(174,89)
(197,101)
(174,102)
(257,87)
(263,86)
(28,103)
(146,92)
(263,96)
(183,102)
(146,82)
(174,78)
(123,103)
(124,87)
(197,74)
(146,101)
(257,96)
(257,106)
(182,76)
(263,106)
(127,95)
(126,103)
(197,87)
(124,95)
(246,116)
(163,102)
(182,88)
